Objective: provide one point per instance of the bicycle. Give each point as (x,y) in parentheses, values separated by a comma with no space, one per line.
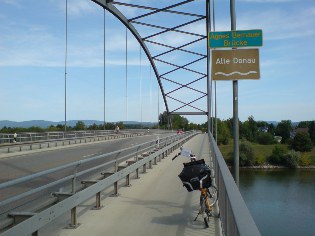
(208,197)
(196,175)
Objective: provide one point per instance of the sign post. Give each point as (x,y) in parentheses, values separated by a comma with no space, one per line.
(234,65)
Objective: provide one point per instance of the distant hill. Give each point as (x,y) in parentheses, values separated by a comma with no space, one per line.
(45,124)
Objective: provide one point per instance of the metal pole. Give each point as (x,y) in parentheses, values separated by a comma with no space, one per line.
(126,74)
(235,107)
(209,83)
(158,103)
(215,82)
(104,65)
(66,54)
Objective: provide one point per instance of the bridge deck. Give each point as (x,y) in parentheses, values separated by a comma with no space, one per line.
(155,204)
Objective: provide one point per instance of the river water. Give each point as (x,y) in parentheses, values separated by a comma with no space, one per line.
(281,201)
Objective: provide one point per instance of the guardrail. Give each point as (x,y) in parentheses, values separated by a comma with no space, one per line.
(46,141)
(40,136)
(6,138)
(235,216)
(80,171)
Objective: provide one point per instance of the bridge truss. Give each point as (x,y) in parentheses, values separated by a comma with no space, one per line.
(174,39)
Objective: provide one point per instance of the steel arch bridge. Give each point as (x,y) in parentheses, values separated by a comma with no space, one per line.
(189,86)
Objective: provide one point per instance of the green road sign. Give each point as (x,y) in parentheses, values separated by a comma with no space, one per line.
(235,39)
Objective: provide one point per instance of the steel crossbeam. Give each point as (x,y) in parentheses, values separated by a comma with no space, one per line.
(184,85)
(155,9)
(182,28)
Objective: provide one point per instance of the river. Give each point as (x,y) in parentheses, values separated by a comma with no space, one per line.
(281,201)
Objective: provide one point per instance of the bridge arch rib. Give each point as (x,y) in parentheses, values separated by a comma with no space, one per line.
(187,87)
(106,4)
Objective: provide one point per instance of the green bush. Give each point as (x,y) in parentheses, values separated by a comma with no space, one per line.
(291,159)
(260,160)
(246,153)
(265,138)
(305,160)
(277,156)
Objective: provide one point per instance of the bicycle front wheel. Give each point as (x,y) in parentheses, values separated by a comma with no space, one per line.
(212,195)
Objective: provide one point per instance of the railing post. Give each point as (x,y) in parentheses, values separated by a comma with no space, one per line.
(98,201)
(116,183)
(74,224)
(74,179)
(128,180)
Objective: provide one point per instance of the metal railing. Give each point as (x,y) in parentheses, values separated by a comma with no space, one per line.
(31,141)
(235,216)
(6,138)
(81,183)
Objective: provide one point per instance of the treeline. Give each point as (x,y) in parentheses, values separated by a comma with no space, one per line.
(265,133)
(289,142)
(80,125)
(301,136)
(296,141)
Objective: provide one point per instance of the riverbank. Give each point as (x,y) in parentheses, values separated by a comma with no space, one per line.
(276,167)
(262,154)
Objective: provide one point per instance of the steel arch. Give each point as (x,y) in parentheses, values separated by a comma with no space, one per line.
(106,4)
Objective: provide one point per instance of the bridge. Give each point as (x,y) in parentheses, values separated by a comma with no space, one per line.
(93,180)
(56,182)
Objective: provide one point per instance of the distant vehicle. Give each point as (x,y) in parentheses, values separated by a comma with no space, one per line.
(180,131)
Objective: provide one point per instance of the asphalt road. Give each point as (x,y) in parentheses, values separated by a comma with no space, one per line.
(33,162)
(30,162)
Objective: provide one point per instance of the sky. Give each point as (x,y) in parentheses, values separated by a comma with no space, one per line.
(33,61)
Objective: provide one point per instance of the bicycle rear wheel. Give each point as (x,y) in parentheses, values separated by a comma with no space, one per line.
(212,193)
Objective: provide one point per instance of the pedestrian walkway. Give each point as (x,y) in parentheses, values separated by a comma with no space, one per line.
(156,204)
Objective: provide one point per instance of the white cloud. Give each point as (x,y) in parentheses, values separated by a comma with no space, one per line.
(279,24)
(10,2)
(77,8)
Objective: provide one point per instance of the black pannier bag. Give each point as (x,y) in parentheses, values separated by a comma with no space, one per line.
(196,175)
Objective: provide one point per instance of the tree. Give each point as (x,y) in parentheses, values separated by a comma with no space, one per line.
(311,130)
(224,134)
(265,138)
(246,154)
(245,132)
(277,155)
(110,126)
(120,125)
(163,120)
(304,124)
(60,127)
(79,126)
(284,129)
(271,129)
(291,159)
(93,127)
(179,122)
(249,129)
(302,142)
